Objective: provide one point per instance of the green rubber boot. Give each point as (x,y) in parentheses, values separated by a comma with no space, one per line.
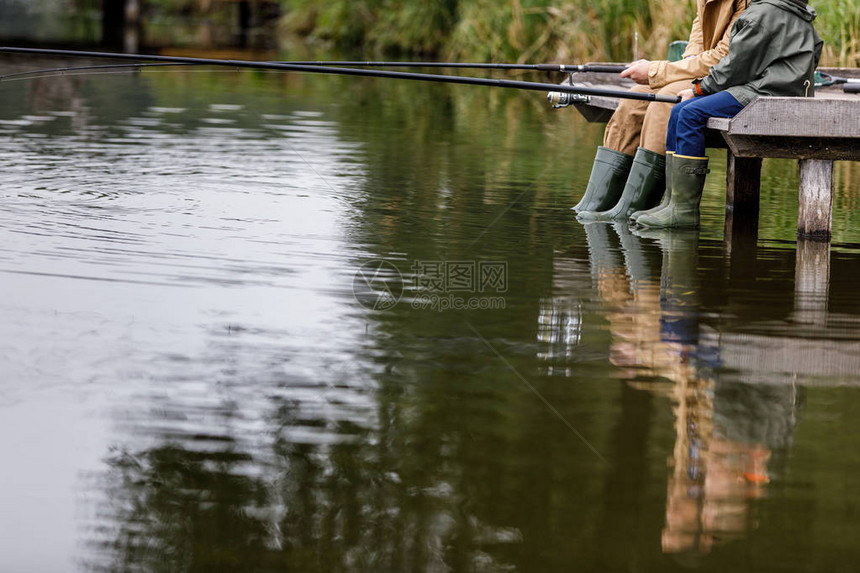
(688,181)
(606,183)
(670,155)
(644,187)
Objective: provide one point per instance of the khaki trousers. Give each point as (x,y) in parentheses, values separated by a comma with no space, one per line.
(638,123)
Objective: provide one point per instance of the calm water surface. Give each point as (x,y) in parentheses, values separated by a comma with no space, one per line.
(260,322)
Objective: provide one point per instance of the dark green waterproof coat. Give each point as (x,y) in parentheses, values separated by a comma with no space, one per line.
(773,51)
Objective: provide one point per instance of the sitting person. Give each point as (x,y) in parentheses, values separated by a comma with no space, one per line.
(628,171)
(773,51)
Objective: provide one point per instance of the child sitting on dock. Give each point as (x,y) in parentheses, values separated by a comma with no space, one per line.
(629,169)
(773,51)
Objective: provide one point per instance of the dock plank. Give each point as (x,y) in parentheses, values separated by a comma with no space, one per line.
(799,117)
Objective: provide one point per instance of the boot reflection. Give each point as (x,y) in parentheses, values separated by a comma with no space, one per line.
(634,316)
(730,437)
(725,433)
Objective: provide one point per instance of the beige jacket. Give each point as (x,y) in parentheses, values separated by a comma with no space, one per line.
(709,43)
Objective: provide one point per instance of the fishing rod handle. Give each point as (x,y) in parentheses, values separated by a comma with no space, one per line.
(603,68)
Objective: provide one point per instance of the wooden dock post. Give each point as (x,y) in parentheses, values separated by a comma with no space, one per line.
(815,214)
(743,185)
(811,281)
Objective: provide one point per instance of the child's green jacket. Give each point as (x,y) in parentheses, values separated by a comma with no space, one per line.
(773,51)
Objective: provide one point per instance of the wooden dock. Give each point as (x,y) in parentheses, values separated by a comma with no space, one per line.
(815,131)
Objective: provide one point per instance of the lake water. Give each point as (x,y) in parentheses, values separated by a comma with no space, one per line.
(267,322)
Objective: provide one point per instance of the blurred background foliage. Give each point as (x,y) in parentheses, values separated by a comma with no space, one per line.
(478,30)
(533,30)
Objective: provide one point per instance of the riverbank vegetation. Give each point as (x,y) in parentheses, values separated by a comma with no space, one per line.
(530,30)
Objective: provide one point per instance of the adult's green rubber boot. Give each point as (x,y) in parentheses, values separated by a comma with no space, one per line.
(670,155)
(608,176)
(643,189)
(688,182)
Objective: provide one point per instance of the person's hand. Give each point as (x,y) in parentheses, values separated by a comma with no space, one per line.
(686,94)
(637,71)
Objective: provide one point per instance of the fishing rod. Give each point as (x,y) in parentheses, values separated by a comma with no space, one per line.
(564,68)
(567,68)
(345,71)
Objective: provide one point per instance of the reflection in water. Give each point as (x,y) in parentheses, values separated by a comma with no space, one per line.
(726,433)
(257,421)
(560,318)
(189,383)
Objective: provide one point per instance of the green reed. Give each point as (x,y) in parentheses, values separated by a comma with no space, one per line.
(533,30)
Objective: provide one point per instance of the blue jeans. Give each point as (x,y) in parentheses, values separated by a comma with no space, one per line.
(687,123)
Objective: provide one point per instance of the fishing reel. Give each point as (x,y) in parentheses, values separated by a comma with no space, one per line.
(564,99)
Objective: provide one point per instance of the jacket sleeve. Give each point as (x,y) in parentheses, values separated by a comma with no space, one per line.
(662,72)
(819,46)
(742,60)
(695,44)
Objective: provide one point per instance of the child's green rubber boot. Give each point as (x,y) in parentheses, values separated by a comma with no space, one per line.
(688,182)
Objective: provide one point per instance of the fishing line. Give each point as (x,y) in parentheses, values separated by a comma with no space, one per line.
(66,75)
(63,71)
(86,71)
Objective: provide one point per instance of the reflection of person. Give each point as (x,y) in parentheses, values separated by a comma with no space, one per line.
(773,51)
(621,183)
(728,436)
(651,305)
(634,296)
